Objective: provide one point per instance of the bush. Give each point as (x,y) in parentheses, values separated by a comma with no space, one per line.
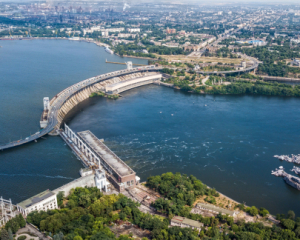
(263,212)
(22,238)
(253,211)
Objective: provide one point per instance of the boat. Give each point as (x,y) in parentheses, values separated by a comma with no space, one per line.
(292,181)
(107,49)
(296,170)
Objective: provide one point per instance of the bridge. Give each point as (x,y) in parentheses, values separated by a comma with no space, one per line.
(61,98)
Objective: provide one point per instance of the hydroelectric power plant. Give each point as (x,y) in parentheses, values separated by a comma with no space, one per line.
(111,173)
(139,134)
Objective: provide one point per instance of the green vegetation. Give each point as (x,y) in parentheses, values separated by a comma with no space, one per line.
(88,215)
(181,189)
(22,238)
(179,192)
(132,50)
(167,71)
(113,96)
(15,223)
(255,88)
(97,94)
(272,59)
(236,87)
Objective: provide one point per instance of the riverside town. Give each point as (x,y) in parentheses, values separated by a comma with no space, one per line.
(162,120)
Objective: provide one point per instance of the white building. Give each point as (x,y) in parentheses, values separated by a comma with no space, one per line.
(104,34)
(85,171)
(126,35)
(41,202)
(100,180)
(244,64)
(131,30)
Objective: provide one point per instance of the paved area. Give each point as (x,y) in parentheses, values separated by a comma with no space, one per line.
(204,80)
(28,237)
(30,229)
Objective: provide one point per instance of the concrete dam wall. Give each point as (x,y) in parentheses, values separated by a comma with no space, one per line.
(84,93)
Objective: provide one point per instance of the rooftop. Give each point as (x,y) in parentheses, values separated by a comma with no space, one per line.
(187,221)
(106,154)
(215,208)
(36,199)
(114,86)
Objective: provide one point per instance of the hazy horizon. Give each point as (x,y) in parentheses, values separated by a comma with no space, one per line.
(271,2)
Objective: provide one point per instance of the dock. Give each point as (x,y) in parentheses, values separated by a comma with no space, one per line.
(134,64)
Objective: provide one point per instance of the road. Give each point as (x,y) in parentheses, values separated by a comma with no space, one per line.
(57,102)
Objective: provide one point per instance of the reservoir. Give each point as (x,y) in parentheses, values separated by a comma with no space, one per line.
(228,142)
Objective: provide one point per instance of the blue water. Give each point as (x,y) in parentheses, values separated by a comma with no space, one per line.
(29,71)
(226,141)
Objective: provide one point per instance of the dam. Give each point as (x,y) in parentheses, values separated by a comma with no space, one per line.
(56,109)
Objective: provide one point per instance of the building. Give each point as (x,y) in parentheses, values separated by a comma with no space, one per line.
(170,31)
(132,30)
(182,32)
(215,209)
(296,62)
(243,64)
(100,180)
(104,34)
(126,35)
(85,171)
(192,48)
(185,222)
(41,202)
(120,174)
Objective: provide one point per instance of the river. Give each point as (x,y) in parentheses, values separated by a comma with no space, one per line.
(228,142)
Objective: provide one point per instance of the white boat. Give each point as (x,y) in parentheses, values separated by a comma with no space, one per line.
(107,49)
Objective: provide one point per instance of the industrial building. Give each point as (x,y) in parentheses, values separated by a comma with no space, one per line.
(41,202)
(185,222)
(215,209)
(118,172)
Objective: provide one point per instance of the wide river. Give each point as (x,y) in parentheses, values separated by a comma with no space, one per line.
(226,141)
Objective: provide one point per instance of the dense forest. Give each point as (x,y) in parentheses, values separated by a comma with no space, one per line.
(273,59)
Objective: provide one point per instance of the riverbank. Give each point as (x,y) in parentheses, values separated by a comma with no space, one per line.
(215,85)
(146,58)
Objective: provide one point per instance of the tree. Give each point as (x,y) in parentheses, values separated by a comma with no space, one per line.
(288,223)
(10,235)
(77,238)
(252,210)
(263,212)
(21,220)
(291,215)
(60,197)
(235,228)
(4,235)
